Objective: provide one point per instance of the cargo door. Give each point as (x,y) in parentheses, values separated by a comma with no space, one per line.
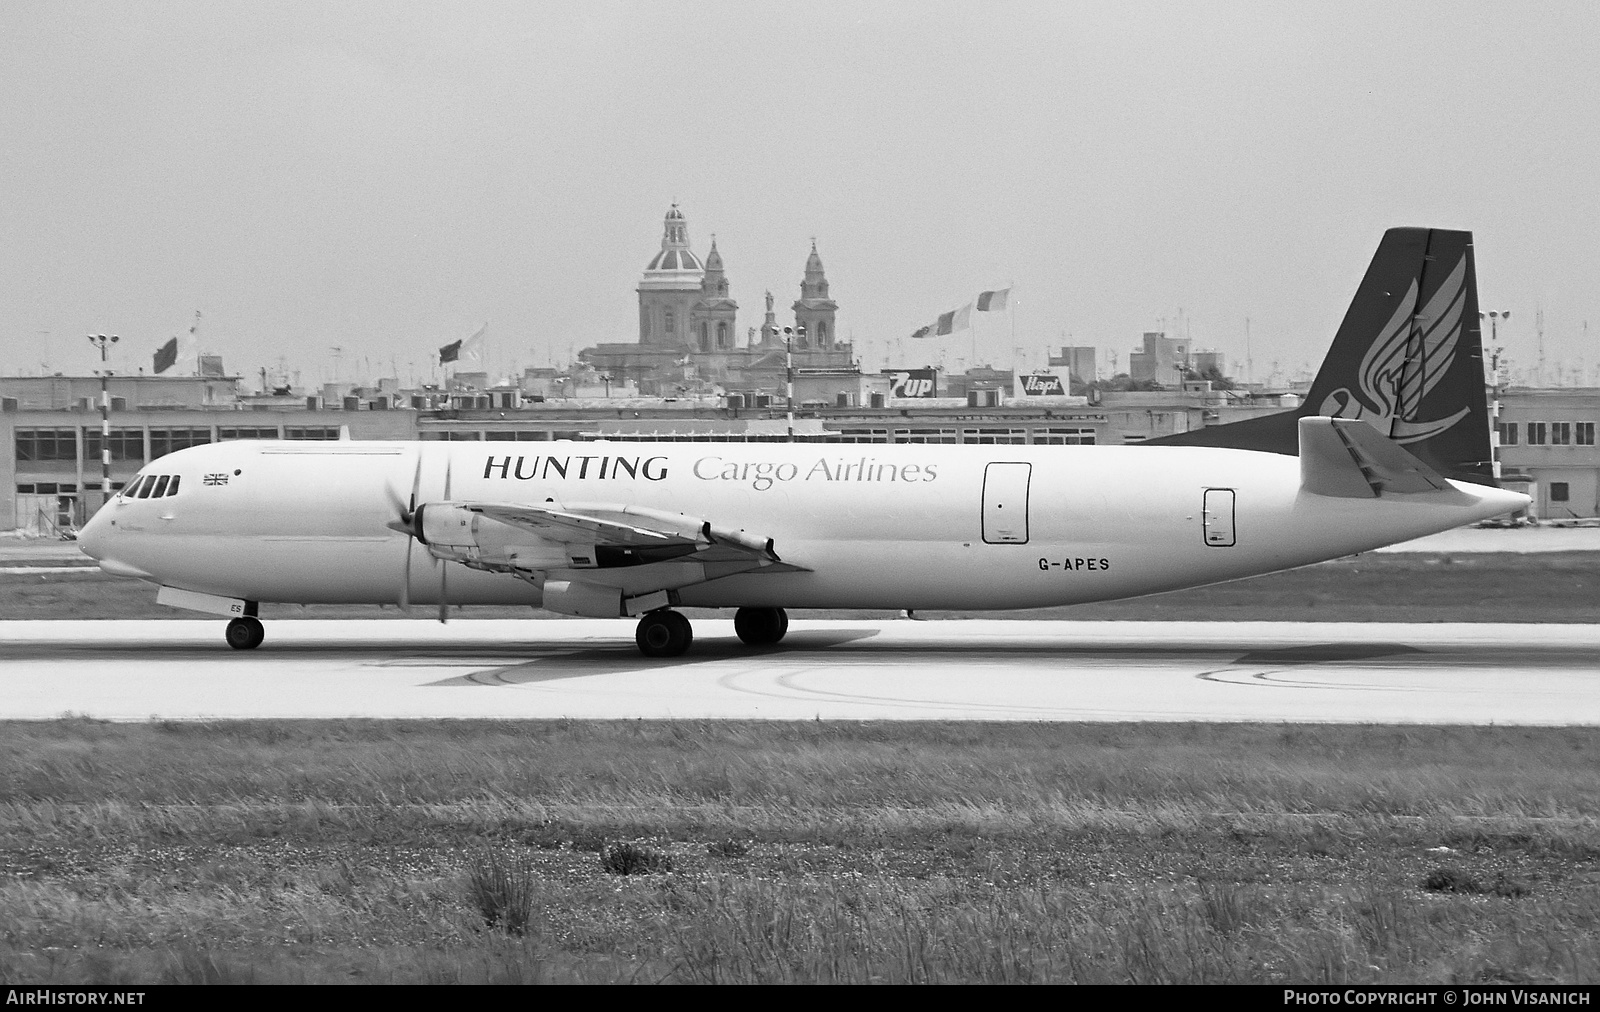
(1218,517)
(1005,503)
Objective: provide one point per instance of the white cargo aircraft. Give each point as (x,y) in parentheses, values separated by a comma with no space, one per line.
(1391,444)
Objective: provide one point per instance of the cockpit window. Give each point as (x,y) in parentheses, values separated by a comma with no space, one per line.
(152,486)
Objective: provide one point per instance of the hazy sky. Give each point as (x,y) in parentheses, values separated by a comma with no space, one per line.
(386,177)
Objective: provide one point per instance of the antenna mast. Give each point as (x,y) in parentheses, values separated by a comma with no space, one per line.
(1248,364)
(1538,328)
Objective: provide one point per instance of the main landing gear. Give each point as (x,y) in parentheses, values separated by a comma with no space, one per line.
(761,627)
(666,633)
(245,633)
(663,634)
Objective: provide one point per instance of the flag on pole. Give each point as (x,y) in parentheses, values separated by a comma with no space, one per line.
(991,302)
(166,356)
(472,347)
(188,349)
(949,323)
(467,351)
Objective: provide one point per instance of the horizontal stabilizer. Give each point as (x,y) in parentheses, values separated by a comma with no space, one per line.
(1347,458)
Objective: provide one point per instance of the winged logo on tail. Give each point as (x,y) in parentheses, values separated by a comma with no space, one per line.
(1406,360)
(1411,355)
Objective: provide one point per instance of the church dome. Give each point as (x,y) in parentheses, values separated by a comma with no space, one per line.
(676,267)
(675,260)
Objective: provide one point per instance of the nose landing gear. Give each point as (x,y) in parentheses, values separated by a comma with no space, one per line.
(245,633)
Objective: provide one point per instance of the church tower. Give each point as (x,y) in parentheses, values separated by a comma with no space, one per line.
(712,323)
(670,288)
(814,310)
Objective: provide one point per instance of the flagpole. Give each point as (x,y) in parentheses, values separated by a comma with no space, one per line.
(1011,307)
(972,320)
(788,369)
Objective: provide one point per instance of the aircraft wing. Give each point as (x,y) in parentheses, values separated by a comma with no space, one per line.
(607,525)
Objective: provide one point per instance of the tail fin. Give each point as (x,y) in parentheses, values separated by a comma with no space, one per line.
(1407,360)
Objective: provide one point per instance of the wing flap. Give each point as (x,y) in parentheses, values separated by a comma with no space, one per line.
(615,525)
(575,527)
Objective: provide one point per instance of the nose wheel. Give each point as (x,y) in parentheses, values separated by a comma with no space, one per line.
(245,633)
(663,634)
(761,627)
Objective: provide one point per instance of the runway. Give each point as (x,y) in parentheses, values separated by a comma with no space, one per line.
(849,670)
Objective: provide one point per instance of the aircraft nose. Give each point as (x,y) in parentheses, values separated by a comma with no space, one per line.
(94,536)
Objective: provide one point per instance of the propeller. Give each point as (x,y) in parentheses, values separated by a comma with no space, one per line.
(444,567)
(406,524)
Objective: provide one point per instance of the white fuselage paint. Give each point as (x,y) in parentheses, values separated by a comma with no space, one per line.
(875,526)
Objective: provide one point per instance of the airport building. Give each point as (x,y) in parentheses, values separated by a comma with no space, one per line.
(55,471)
(1162,357)
(1547,449)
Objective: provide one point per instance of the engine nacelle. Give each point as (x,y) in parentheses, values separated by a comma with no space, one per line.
(584,599)
(446,525)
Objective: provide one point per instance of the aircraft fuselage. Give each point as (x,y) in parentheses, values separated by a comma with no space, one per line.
(858,525)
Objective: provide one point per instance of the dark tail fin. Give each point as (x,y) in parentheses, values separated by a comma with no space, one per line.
(1407,359)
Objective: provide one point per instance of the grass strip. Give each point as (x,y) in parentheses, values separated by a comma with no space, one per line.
(301,851)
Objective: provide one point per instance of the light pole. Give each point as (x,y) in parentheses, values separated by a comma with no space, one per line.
(104,373)
(1495,316)
(788,368)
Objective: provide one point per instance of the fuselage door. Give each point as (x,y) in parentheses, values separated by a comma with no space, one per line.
(1005,503)
(1218,517)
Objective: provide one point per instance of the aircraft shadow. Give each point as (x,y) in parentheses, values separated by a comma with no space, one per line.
(610,660)
(1319,653)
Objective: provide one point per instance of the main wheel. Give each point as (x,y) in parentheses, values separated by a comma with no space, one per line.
(245,633)
(663,634)
(761,627)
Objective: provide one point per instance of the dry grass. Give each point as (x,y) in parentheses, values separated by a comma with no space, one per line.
(475,851)
(503,885)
